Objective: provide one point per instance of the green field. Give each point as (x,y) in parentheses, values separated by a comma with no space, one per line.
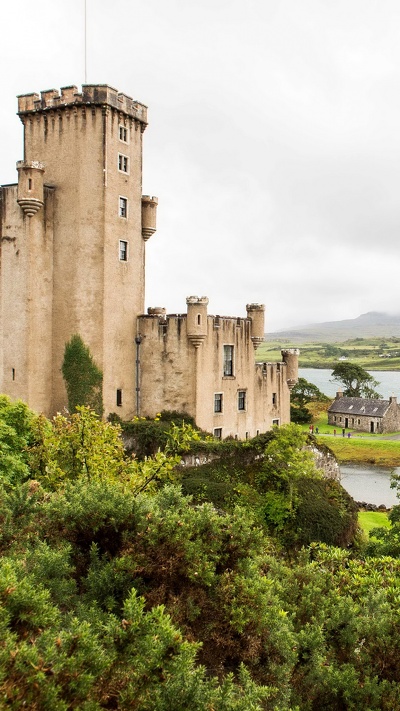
(372,519)
(370,353)
(360,447)
(381,452)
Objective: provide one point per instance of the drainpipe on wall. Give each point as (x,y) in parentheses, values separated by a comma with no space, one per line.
(138,341)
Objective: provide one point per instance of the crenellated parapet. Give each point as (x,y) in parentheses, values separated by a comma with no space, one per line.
(101,95)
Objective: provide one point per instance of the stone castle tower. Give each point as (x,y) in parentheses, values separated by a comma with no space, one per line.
(73,235)
(72,238)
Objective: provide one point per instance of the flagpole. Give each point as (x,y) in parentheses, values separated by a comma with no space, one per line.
(85,48)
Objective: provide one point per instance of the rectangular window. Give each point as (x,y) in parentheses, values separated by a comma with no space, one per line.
(241,399)
(218,432)
(123,163)
(228,360)
(274,398)
(119,397)
(275,423)
(123,207)
(218,402)
(123,250)
(123,134)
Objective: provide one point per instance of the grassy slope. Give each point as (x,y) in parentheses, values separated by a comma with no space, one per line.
(372,519)
(383,452)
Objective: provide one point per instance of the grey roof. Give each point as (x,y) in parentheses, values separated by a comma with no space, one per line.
(359,406)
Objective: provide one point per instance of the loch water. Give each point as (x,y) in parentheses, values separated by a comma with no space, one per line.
(364,482)
(369,483)
(389,381)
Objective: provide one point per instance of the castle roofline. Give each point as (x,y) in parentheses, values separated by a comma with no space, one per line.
(91,95)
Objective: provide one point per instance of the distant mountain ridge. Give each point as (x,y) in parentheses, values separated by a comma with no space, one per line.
(373,324)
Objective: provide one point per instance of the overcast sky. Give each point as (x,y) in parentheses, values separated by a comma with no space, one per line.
(273,142)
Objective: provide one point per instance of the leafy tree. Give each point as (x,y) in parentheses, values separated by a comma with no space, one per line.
(75,446)
(356,381)
(83,379)
(304,392)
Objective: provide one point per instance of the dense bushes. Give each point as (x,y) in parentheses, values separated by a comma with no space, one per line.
(118,591)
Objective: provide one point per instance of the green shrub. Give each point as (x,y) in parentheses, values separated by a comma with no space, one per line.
(83,379)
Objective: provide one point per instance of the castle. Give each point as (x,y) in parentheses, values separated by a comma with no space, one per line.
(72,237)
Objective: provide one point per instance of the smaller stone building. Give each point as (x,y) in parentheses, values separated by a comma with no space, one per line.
(358,413)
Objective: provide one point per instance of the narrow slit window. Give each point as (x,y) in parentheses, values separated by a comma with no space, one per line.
(119,397)
(228,360)
(29,183)
(123,250)
(123,207)
(13,373)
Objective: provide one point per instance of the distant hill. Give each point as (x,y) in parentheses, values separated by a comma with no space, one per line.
(370,325)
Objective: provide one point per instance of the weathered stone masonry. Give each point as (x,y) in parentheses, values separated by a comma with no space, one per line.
(72,236)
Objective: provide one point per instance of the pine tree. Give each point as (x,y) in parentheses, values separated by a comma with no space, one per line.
(83,379)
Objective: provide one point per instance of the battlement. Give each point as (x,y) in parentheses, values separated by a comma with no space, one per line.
(255,307)
(91,94)
(197,300)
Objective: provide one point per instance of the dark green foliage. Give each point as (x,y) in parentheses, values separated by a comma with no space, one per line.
(281,487)
(300,415)
(356,381)
(145,436)
(110,599)
(83,379)
(324,512)
(176,417)
(302,393)
(123,631)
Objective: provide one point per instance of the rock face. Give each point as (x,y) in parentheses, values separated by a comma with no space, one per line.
(326,462)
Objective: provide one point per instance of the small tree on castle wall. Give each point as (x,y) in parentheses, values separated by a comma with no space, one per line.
(83,379)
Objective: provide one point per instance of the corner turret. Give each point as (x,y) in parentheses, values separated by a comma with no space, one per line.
(149,216)
(290,356)
(30,186)
(256,313)
(196,319)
